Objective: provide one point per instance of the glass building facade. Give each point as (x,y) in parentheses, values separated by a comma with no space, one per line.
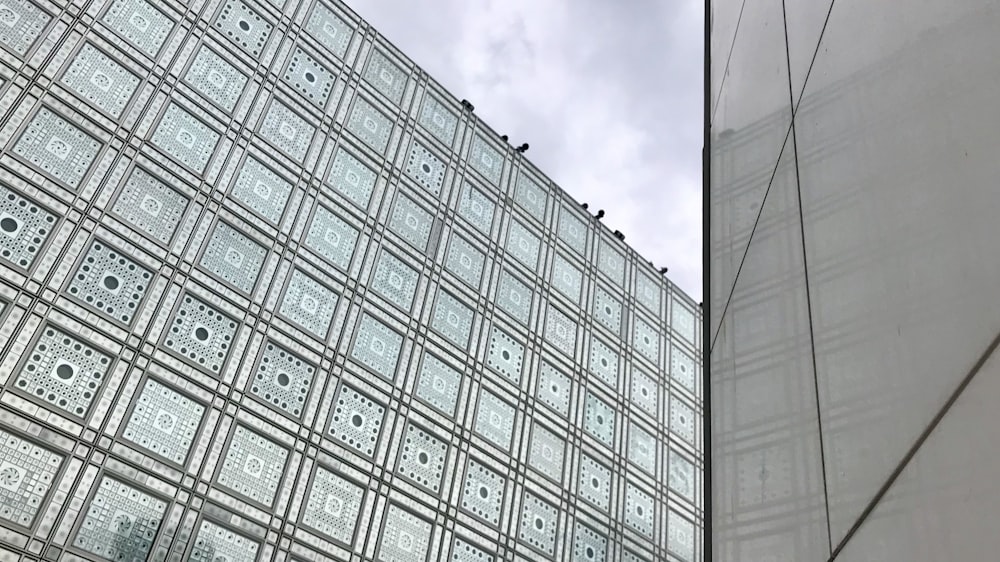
(268,292)
(852,312)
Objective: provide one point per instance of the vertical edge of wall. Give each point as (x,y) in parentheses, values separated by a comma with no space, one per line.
(706,300)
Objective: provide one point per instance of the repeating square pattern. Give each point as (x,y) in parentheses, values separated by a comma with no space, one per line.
(332,237)
(215,543)
(452,319)
(64,371)
(422,458)
(233,257)
(682,420)
(287,131)
(253,466)
(681,478)
(643,392)
(607,310)
(476,208)
(588,544)
(530,197)
(438,120)
(682,319)
(309,77)
(514,297)
(57,147)
(108,282)
(370,125)
(262,190)
(282,379)
(599,420)
(648,294)
(595,483)
(483,492)
(462,551)
(439,384)
(333,506)
(680,536)
(140,23)
(539,524)
(604,363)
(411,222)
(546,453)
(494,420)
(611,263)
(377,346)
(485,159)
(639,510)
(244,26)
(100,80)
(329,29)
(27,474)
(351,178)
(164,422)
(184,137)
(309,303)
(357,421)
(426,168)
(22,24)
(572,232)
(405,537)
(646,341)
(385,76)
(523,245)
(394,280)
(567,279)
(121,522)
(560,331)
(150,205)
(213,77)
(641,448)
(505,355)
(25,228)
(201,334)
(554,389)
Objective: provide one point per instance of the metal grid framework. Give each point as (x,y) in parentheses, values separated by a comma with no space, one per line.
(267,292)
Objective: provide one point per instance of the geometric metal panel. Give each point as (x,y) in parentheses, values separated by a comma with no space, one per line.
(682,368)
(482,493)
(462,551)
(370,125)
(486,160)
(27,473)
(572,231)
(333,506)
(681,475)
(150,205)
(505,355)
(357,421)
(262,190)
(100,80)
(647,294)
(110,283)
(57,147)
(554,389)
(233,257)
(604,362)
(25,228)
(216,79)
(567,279)
(282,379)
(682,420)
(643,392)
(351,178)
(589,545)
(594,484)
(426,168)
(164,422)
(185,138)
(611,263)
(438,120)
(523,245)
(514,297)
(411,222)
(546,452)
(638,510)
(641,448)
(332,237)
(539,522)
(24,22)
(422,458)
(395,280)
(308,303)
(140,23)
(253,466)
(607,310)
(309,77)
(438,384)
(244,26)
(452,319)
(494,420)
(329,29)
(385,76)
(377,346)
(465,261)
(120,522)
(599,420)
(476,208)
(200,333)
(215,543)
(646,341)
(530,197)
(680,537)
(287,131)
(404,538)
(64,371)
(560,331)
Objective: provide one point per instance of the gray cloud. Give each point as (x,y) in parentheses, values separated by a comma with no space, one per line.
(608,94)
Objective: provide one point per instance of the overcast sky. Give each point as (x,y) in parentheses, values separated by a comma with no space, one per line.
(607,92)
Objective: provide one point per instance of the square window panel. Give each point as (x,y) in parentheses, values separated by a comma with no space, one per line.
(120,522)
(164,422)
(329,29)
(681,477)
(370,125)
(572,231)
(333,506)
(546,453)
(150,205)
(486,160)
(438,120)
(589,545)
(282,379)
(608,310)
(439,384)
(411,222)
(595,483)
(539,524)
(680,536)
(27,473)
(110,283)
(422,458)
(287,131)
(307,75)
(385,76)
(211,76)
(554,389)
(567,279)
(494,420)
(514,297)
(262,190)
(425,168)
(452,319)
(140,23)
(462,551)
(332,237)
(185,138)
(233,257)
(465,261)
(560,331)
(351,178)
(646,341)
(405,537)
(482,493)
(357,421)
(604,363)
(643,392)
(215,543)
(530,197)
(683,322)
(64,371)
(309,303)
(599,420)
(24,23)
(682,420)
(505,355)
(253,466)
(682,368)
(611,263)
(100,81)
(244,26)
(642,449)
(648,294)
(639,510)
(25,228)
(377,346)
(477,209)
(57,147)
(201,334)
(394,280)
(523,245)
